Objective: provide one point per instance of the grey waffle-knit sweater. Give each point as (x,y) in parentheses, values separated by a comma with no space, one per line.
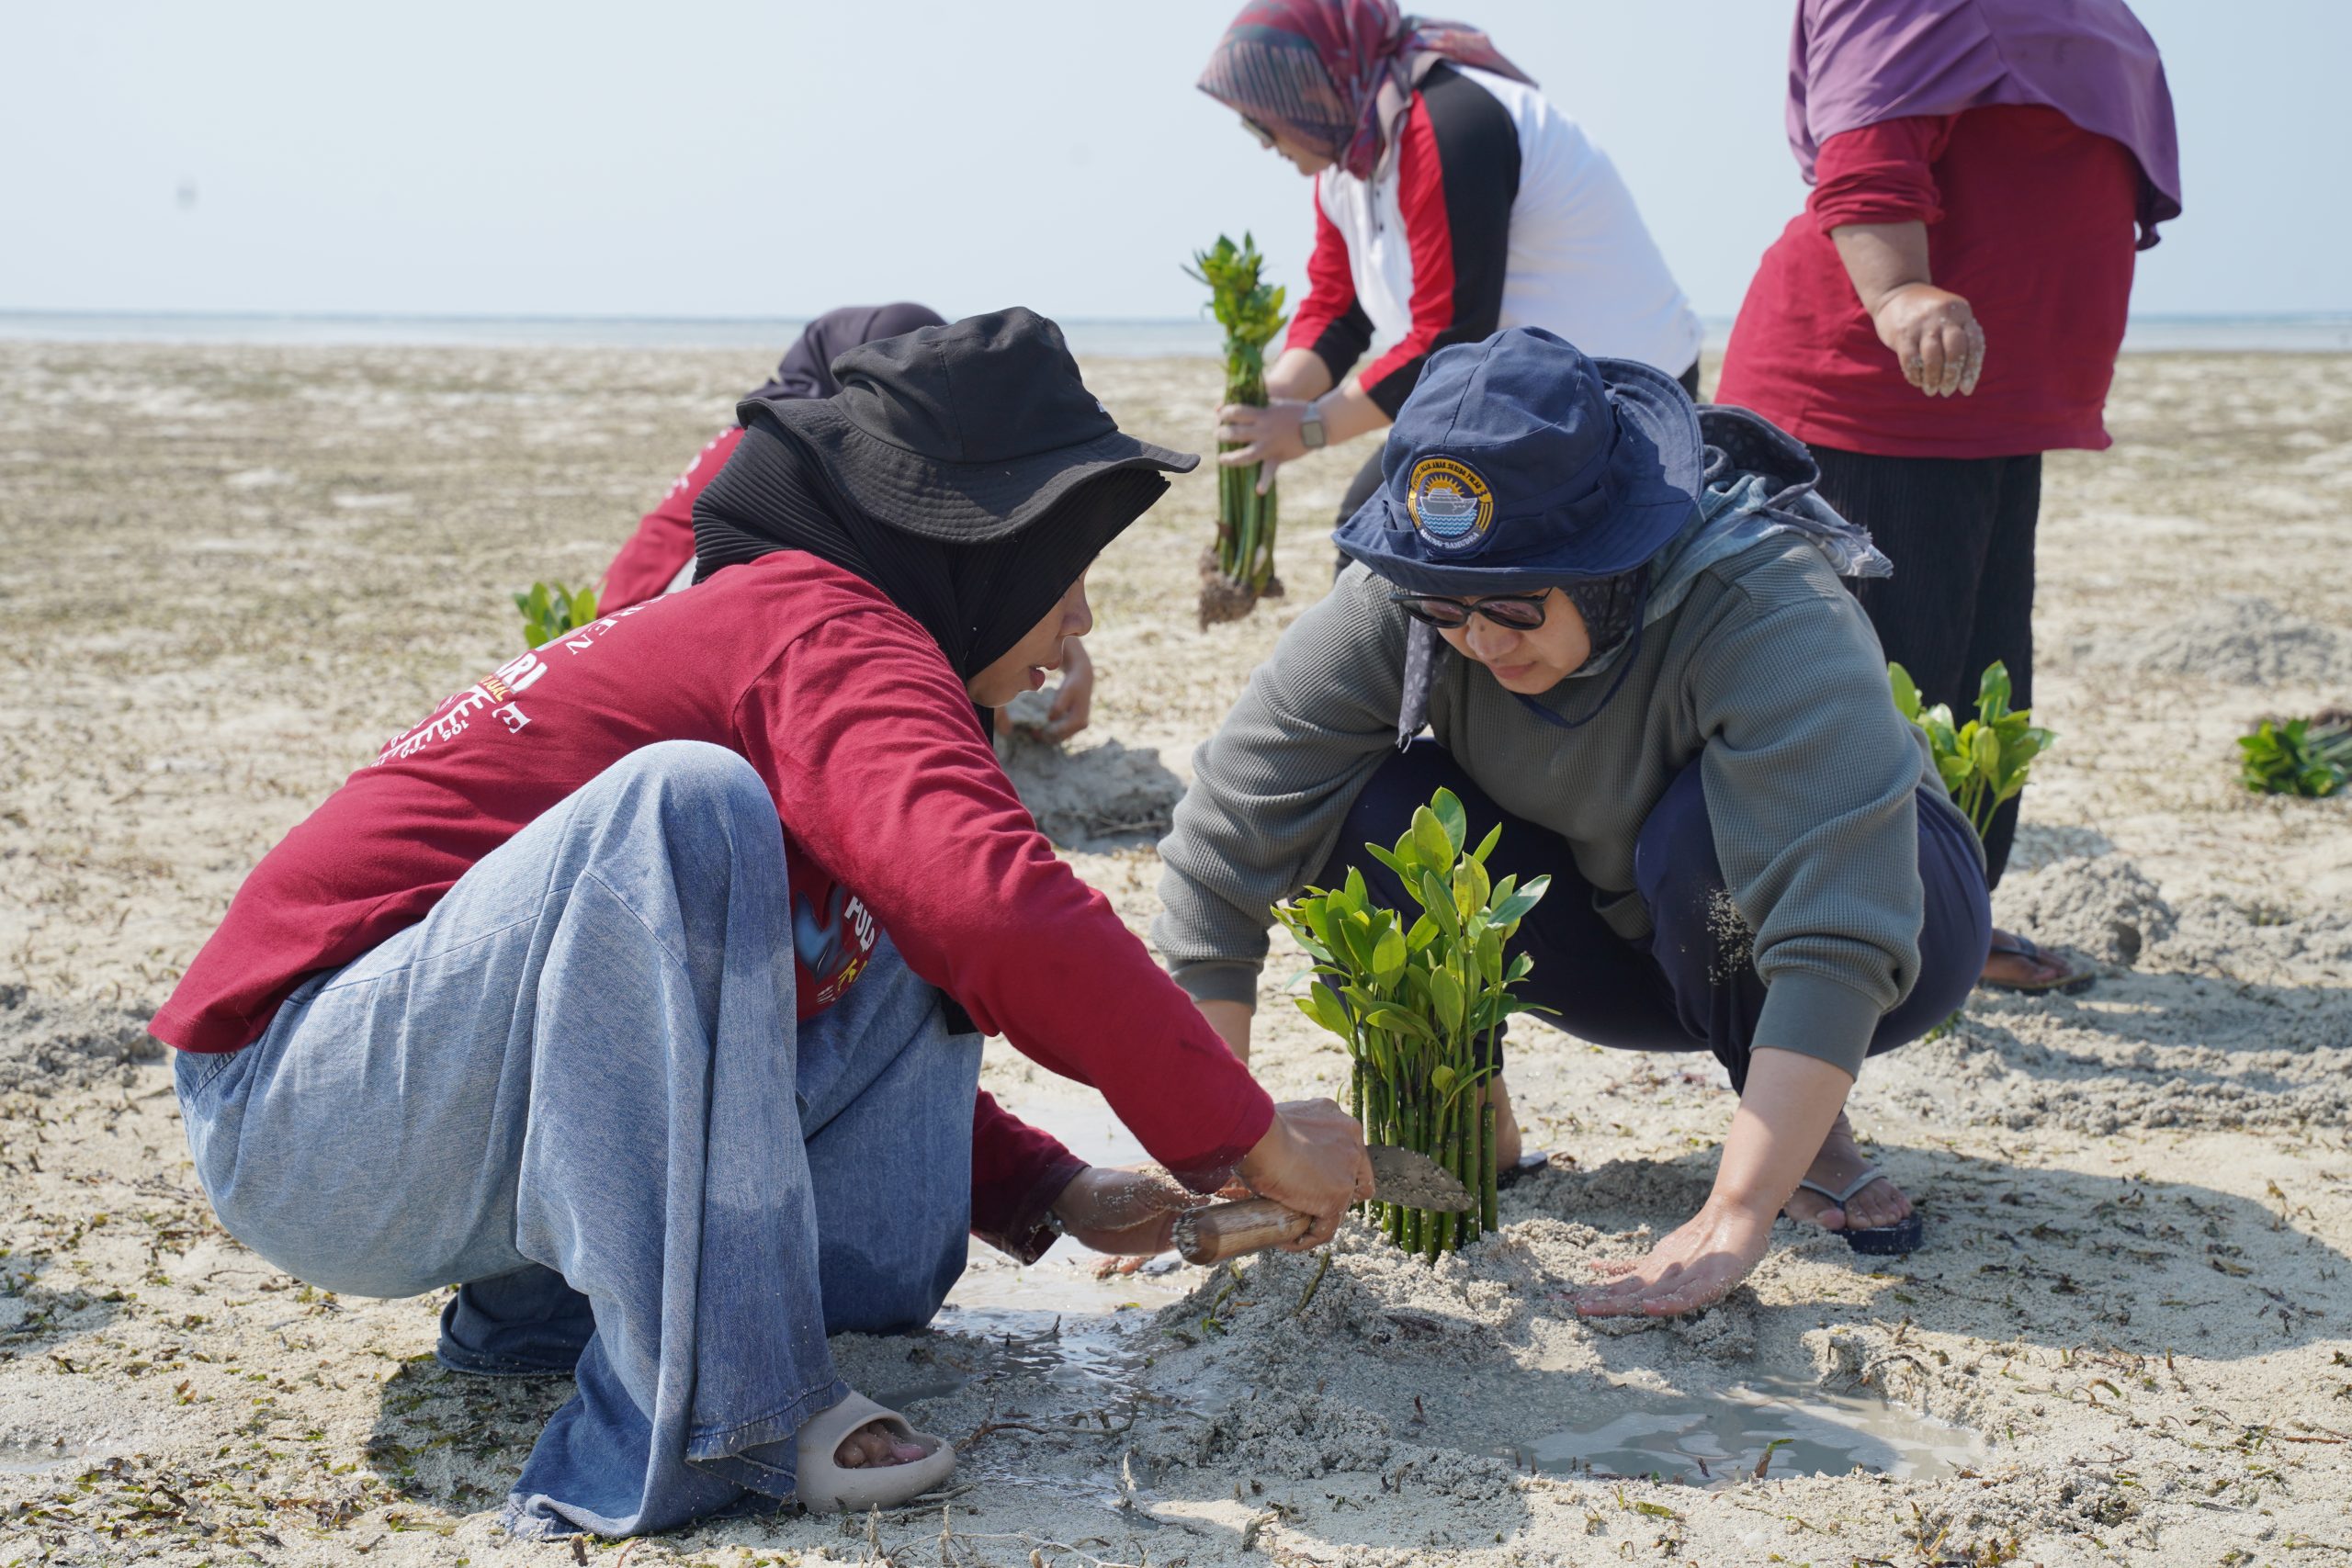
(1767,671)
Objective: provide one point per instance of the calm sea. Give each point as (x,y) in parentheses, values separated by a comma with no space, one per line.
(1109,338)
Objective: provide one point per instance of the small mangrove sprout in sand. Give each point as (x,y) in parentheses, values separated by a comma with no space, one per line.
(2311,757)
(1984,762)
(550,609)
(1239,569)
(1420,1005)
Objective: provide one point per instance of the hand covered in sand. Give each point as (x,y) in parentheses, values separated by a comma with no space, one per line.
(1689,1269)
(1312,1160)
(1074,702)
(1124,1212)
(1936,338)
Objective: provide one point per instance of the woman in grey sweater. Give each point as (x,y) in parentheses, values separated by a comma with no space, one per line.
(1621,621)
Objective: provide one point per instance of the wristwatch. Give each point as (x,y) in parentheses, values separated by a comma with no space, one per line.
(1310,428)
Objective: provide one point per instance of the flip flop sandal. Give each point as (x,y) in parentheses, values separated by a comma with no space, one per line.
(2067,982)
(827,1486)
(1884,1241)
(1528,1164)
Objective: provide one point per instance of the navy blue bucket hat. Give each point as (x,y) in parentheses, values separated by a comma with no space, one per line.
(1518,464)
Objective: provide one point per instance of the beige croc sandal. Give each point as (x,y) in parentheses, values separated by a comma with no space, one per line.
(829,1487)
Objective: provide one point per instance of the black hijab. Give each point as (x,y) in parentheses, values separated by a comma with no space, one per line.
(807,368)
(976,599)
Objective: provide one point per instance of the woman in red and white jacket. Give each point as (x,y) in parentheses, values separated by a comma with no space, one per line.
(1451,201)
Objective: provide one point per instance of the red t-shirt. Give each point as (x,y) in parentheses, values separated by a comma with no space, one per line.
(894,810)
(2030,219)
(664,540)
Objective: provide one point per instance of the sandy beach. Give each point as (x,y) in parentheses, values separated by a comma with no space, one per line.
(229,572)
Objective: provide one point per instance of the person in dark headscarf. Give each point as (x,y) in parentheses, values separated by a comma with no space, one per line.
(660,556)
(1451,199)
(642,986)
(1948,307)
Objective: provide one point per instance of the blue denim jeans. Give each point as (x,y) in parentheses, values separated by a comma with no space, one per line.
(578,1088)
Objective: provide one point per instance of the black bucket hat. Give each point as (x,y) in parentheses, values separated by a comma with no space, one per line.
(963,433)
(1518,463)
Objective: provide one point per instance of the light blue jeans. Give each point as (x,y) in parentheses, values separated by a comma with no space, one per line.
(577,1087)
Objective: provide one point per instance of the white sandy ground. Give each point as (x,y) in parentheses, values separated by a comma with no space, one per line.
(226,573)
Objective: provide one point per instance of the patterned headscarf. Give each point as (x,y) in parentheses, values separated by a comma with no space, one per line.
(1337,76)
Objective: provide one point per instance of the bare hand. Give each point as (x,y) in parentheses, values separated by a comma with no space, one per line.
(1123,1212)
(1689,1269)
(1312,1160)
(1075,701)
(1268,436)
(1936,338)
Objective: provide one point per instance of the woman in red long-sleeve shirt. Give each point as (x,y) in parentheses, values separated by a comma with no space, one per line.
(1948,307)
(640,987)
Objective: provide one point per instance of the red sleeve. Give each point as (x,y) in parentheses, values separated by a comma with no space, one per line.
(881,773)
(664,540)
(1881,173)
(1017,1172)
(1457,175)
(1331,324)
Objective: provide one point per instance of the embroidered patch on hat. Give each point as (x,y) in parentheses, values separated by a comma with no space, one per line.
(1451,504)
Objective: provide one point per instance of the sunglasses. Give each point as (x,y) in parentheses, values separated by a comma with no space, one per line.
(1517,611)
(1265,138)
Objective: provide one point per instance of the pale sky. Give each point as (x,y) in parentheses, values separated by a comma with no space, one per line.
(773,159)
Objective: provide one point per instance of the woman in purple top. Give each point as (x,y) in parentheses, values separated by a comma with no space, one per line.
(1949,304)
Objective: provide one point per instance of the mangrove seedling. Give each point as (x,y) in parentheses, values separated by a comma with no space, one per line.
(1419,1005)
(1238,569)
(2308,757)
(550,609)
(1983,762)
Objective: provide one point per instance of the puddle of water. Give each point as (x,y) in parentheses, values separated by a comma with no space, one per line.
(1055,1318)
(1715,1439)
(37,1459)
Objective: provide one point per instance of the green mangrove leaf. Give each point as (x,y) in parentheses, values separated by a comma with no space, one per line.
(1906,691)
(1446,992)
(1447,807)
(1431,845)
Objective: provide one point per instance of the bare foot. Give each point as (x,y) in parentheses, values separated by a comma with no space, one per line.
(873,1445)
(1839,1161)
(1506,1138)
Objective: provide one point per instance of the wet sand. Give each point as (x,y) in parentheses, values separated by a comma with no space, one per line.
(231,571)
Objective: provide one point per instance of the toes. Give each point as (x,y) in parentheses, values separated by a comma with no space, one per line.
(1812,1209)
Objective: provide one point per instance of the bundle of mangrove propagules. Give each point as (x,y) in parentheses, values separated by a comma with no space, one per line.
(1419,1006)
(550,609)
(1984,762)
(2309,757)
(1238,569)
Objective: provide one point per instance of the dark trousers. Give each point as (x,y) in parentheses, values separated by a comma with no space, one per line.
(1367,478)
(1692,985)
(1960,532)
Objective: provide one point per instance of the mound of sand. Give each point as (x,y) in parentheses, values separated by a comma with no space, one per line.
(1103,791)
(2102,907)
(2239,640)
